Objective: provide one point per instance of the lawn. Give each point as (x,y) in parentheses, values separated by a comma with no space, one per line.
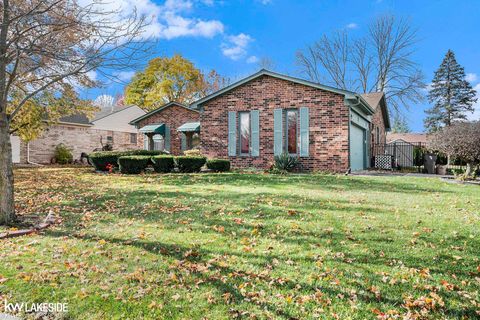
(219,246)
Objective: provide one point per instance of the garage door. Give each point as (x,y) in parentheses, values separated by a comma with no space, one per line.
(357,148)
(15,142)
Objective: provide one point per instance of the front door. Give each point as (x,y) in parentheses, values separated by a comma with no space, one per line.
(357,148)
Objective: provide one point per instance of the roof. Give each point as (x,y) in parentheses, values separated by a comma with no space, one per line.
(78,118)
(149,114)
(376,99)
(189,127)
(158,128)
(349,95)
(103,113)
(407,137)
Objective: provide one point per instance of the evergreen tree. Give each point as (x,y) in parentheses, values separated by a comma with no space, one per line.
(400,125)
(451,94)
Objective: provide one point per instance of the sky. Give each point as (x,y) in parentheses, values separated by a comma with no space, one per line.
(232,36)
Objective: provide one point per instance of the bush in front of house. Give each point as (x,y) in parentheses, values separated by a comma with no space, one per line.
(103,160)
(63,154)
(189,164)
(218,165)
(285,163)
(163,163)
(133,164)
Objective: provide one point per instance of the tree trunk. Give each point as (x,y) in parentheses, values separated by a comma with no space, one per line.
(7,209)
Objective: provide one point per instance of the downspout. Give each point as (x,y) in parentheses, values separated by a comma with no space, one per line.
(28,156)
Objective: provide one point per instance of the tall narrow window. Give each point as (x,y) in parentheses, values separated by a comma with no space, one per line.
(244,132)
(378,135)
(292,135)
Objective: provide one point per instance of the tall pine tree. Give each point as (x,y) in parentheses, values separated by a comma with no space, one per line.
(452,95)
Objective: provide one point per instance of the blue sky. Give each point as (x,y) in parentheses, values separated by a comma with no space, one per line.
(230,36)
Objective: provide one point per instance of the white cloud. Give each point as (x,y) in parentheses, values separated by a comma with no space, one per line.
(252,59)
(476,114)
(471,77)
(168,21)
(124,75)
(351,25)
(235,47)
(265,2)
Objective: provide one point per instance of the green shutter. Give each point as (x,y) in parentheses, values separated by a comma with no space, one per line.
(304,132)
(277,132)
(167,138)
(232,133)
(183,140)
(255,132)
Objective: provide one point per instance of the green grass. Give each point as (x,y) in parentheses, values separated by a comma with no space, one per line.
(246,245)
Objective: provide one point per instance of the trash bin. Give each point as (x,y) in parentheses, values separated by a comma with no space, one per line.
(429,163)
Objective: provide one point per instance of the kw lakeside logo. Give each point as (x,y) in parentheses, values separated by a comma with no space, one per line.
(34,307)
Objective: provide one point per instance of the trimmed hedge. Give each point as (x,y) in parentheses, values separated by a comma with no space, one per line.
(133,164)
(190,164)
(218,165)
(100,160)
(163,163)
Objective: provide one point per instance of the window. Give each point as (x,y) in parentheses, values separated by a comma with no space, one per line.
(378,134)
(158,142)
(133,138)
(291,123)
(192,140)
(244,132)
(109,139)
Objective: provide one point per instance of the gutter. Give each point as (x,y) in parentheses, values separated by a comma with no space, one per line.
(28,156)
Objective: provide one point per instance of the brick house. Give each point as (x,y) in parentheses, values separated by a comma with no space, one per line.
(81,135)
(267,114)
(173,127)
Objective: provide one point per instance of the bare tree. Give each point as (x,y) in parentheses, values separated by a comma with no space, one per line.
(460,140)
(266,63)
(381,61)
(49,44)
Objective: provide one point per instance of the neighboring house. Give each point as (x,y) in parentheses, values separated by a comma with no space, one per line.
(413,138)
(173,127)
(81,135)
(267,114)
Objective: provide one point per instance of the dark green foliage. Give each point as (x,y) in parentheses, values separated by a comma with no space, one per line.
(286,162)
(100,160)
(163,163)
(452,95)
(133,164)
(63,155)
(218,165)
(190,164)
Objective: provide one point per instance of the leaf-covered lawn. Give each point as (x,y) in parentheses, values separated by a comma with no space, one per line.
(219,246)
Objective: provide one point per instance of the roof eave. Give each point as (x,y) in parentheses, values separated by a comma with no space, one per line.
(264,72)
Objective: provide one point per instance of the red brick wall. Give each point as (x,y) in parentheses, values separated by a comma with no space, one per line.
(173,116)
(329,119)
(378,122)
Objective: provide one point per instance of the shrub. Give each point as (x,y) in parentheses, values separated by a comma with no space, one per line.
(218,165)
(285,162)
(133,164)
(163,163)
(101,160)
(63,155)
(192,153)
(190,164)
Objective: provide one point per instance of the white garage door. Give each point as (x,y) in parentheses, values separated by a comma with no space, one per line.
(15,141)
